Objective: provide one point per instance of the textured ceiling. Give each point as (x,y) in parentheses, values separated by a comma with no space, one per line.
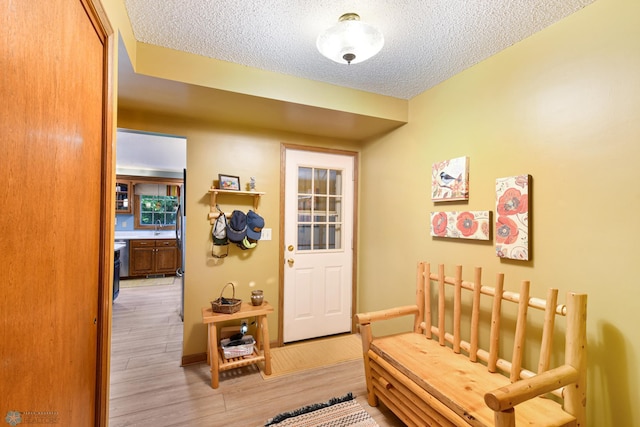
(426,41)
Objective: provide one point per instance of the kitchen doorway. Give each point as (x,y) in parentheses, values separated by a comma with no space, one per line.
(143,157)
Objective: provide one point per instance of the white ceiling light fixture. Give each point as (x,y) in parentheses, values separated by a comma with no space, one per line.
(350,41)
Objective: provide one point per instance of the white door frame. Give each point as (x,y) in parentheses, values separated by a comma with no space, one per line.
(283,159)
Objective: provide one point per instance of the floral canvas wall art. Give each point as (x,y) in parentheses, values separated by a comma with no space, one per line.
(450,180)
(461,225)
(512,217)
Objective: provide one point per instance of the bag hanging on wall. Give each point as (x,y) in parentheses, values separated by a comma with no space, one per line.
(219,231)
(220,247)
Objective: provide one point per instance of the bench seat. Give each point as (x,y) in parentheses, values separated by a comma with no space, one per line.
(457,385)
(438,374)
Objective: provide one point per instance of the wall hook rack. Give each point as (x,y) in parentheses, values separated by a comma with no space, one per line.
(215,210)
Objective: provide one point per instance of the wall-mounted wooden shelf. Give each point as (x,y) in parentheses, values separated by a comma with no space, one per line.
(215,192)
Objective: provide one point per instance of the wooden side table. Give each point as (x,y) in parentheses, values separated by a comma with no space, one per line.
(215,355)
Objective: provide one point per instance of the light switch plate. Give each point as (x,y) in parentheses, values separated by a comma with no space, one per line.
(266,234)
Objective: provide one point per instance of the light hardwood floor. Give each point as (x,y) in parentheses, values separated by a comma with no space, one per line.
(149,388)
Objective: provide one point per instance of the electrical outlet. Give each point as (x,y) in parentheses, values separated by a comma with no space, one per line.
(124,224)
(266,234)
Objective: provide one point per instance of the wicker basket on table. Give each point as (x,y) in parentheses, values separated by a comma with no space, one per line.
(226,305)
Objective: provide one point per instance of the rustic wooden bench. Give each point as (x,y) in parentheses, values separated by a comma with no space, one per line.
(434,377)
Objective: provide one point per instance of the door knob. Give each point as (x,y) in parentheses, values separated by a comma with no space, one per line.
(290,248)
(290,261)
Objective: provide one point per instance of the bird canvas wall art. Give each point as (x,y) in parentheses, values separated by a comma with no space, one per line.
(450,180)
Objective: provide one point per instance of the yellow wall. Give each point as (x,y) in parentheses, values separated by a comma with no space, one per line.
(563,106)
(211,149)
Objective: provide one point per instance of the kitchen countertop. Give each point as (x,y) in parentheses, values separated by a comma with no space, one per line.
(144,234)
(117,246)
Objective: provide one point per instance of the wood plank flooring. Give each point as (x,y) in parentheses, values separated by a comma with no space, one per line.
(149,388)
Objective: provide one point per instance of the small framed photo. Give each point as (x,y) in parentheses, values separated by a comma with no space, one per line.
(229,182)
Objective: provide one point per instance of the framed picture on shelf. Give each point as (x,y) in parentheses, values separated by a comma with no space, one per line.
(229,182)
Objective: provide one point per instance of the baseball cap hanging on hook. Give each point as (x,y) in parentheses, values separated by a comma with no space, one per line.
(255,223)
(237,227)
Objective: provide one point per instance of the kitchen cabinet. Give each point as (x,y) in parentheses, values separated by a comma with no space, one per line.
(153,256)
(123,196)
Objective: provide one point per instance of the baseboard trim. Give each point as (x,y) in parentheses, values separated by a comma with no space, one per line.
(194,359)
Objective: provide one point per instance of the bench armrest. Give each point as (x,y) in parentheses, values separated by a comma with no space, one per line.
(390,313)
(507,397)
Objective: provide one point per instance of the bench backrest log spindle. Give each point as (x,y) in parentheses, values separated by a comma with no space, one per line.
(432,287)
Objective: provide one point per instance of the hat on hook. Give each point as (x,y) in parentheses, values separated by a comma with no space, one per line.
(237,228)
(247,243)
(255,223)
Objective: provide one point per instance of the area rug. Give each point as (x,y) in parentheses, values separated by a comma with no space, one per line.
(314,354)
(338,412)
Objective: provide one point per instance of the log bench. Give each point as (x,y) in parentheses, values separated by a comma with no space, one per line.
(440,375)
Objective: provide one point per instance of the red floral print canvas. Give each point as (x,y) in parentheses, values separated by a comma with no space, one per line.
(450,180)
(512,217)
(461,225)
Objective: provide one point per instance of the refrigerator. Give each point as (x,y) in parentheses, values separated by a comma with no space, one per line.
(181,226)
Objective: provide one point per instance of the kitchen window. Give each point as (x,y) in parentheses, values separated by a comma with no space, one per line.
(155,206)
(159,210)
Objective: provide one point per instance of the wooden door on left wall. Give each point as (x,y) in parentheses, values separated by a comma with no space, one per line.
(56,173)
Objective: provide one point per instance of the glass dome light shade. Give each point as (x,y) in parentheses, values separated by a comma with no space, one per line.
(350,41)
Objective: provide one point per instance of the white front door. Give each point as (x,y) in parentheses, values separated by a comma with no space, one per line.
(318,239)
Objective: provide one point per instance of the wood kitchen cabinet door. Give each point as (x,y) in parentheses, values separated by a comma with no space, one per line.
(166,257)
(152,256)
(124,196)
(141,257)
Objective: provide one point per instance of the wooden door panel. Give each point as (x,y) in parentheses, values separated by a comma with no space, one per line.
(166,259)
(141,261)
(52,83)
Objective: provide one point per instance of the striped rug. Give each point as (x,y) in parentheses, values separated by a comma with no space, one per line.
(337,412)
(307,355)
